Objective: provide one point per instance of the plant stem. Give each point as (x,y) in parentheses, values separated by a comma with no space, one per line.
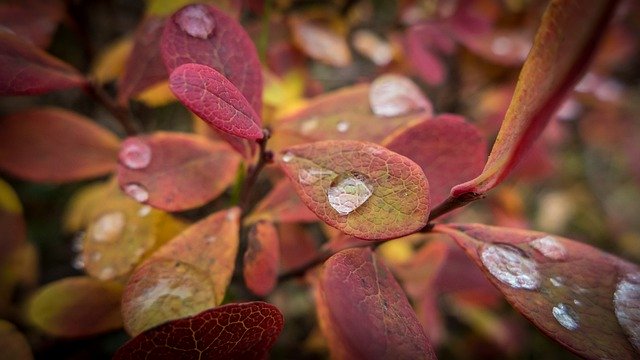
(264,157)
(119,112)
(452,203)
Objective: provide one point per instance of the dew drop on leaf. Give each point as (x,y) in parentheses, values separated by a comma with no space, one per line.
(501,45)
(511,266)
(342,126)
(144,210)
(107,273)
(348,192)
(95,256)
(556,281)
(549,247)
(78,262)
(209,239)
(394,95)
(626,300)
(287,157)
(135,154)
(77,242)
(566,316)
(138,192)
(108,227)
(196,21)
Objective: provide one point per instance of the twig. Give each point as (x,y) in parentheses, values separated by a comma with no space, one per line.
(120,113)
(264,157)
(452,203)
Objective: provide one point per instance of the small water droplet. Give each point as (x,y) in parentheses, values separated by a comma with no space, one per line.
(308,126)
(557,281)
(95,256)
(287,157)
(78,262)
(501,45)
(343,126)
(135,154)
(577,302)
(566,316)
(550,247)
(108,227)
(626,299)
(509,265)
(138,192)
(348,192)
(232,215)
(77,244)
(209,239)
(144,210)
(196,21)
(107,273)
(139,252)
(311,176)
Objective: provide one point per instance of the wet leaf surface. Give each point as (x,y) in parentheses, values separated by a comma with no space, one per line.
(585,299)
(55,145)
(174,171)
(234,331)
(262,258)
(360,188)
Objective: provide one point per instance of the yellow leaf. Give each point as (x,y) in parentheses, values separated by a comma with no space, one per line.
(111,62)
(8,199)
(157,95)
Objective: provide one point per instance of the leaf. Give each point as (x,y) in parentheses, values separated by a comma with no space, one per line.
(424,44)
(12,225)
(19,270)
(234,331)
(174,171)
(262,258)
(144,67)
(204,35)
(213,98)
(55,145)
(27,70)
(297,246)
(34,20)
(281,205)
(394,95)
(14,344)
(359,188)
(320,42)
(562,50)
(373,47)
(448,149)
(76,306)
(365,311)
(585,299)
(111,60)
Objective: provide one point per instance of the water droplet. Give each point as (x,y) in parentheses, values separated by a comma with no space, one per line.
(144,210)
(138,192)
(509,265)
(78,262)
(626,299)
(501,45)
(311,176)
(135,154)
(77,244)
(348,192)
(107,273)
(138,253)
(566,316)
(549,247)
(108,227)
(287,157)
(395,95)
(342,126)
(95,256)
(308,126)
(209,239)
(196,21)
(557,281)
(232,215)
(577,302)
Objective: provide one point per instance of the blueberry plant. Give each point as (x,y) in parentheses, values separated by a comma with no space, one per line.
(307,188)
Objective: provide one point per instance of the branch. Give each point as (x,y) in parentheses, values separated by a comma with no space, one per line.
(120,113)
(264,157)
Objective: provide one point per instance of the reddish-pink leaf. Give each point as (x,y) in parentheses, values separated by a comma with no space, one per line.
(297,246)
(144,67)
(580,296)
(448,149)
(55,145)
(243,331)
(281,205)
(365,312)
(204,35)
(173,171)
(562,50)
(360,188)
(34,20)
(27,70)
(213,98)
(424,45)
(262,258)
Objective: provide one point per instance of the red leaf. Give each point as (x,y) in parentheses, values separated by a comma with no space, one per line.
(281,205)
(585,299)
(448,149)
(562,50)
(27,70)
(240,331)
(213,98)
(34,20)
(144,67)
(55,145)
(262,258)
(204,35)
(173,171)
(297,246)
(364,311)
(424,45)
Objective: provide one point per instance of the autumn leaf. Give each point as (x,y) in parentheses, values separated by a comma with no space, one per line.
(174,171)
(76,306)
(11,220)
(28,70)
(562,50)
(585,299)
(281,205)
(110,62)
(262,258)
(35,21)
(424,45)
(213,98)
(319,41)
(363,311)
(242,331)
(14,344)
(360,188)
(297,246)
(202,34)
(55,145)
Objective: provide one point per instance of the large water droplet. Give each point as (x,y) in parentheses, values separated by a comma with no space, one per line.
(196,21)
(626,300)
(343,126)
(348,192)
(566,316)
(549,247)
(138,192)
(509,265)
(135,154)
(108,226)
(395,95)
